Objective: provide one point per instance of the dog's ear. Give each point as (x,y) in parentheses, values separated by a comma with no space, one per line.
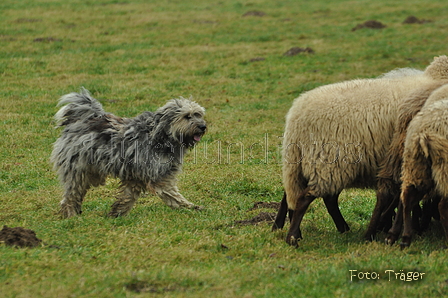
(162,124)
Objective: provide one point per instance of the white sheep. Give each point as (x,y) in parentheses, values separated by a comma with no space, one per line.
(425,164)
(337,135)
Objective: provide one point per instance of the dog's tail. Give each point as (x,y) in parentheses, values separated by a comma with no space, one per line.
(78,106)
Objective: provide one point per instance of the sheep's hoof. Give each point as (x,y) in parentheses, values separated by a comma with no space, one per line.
(275,227)
(405,242)
(390,239)
(369,236)
(403,245)
(293,241)
(344,228)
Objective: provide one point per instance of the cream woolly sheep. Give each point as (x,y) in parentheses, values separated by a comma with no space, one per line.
(337,135)
(425,164)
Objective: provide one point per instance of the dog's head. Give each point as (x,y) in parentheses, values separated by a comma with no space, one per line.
(186,120)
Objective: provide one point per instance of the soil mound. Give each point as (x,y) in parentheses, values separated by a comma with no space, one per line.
(19,237)
(372,24)
(254,13)
(414,20)
(267,205)
(260,218)
(46,39)
(256,59)
(296,50)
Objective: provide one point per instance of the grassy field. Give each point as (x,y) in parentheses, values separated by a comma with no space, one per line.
(134,56)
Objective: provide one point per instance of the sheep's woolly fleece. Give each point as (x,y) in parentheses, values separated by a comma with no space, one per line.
(425,162)
(337,135)
(426,146)
(438,70)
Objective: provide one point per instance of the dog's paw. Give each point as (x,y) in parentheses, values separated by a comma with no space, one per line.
(112,214)
(66,212)
(196,207)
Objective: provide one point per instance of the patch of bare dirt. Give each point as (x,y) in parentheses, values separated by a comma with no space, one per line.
(254,13)
(19,237)
(256,59)
(263,217)
(146,287)
(206,22)
(415,20)
(25,20)
(372,24)
(296,50)
(267,205)
(7,38)
(46,39)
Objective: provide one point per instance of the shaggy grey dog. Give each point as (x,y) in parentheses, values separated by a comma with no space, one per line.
(145,152)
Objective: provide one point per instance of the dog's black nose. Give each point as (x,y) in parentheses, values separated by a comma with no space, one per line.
(203,127)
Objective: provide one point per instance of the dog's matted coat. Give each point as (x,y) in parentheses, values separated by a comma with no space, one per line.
(145,152)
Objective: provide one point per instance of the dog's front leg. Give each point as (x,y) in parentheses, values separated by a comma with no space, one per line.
(129,193)
(75,190)
(167,190)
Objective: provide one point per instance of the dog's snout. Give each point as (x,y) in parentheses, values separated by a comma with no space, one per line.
(202,127)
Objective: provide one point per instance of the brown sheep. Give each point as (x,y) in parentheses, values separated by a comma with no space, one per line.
(425,164)
(389,181)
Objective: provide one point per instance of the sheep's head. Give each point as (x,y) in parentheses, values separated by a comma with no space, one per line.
(437,95)
(438,69)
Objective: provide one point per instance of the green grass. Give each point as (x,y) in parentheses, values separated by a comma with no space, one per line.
(134,56)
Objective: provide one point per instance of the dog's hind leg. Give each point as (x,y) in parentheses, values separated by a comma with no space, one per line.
(167,190)
(75,190)
(129,193)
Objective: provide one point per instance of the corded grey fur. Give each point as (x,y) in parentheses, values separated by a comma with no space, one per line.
(145,152)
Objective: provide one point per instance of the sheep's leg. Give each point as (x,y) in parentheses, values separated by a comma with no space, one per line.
(385,222)
(426,214)
(387,198)
(409,197)
(129,193)
(443,211)
(331,202)
(395,230)
(429,210)
(281,215)
(290,215)
(416,216)
(435,207)
(375,219)
(303,201)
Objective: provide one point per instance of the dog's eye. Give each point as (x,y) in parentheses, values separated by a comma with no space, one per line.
(197,115)
(188,117)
